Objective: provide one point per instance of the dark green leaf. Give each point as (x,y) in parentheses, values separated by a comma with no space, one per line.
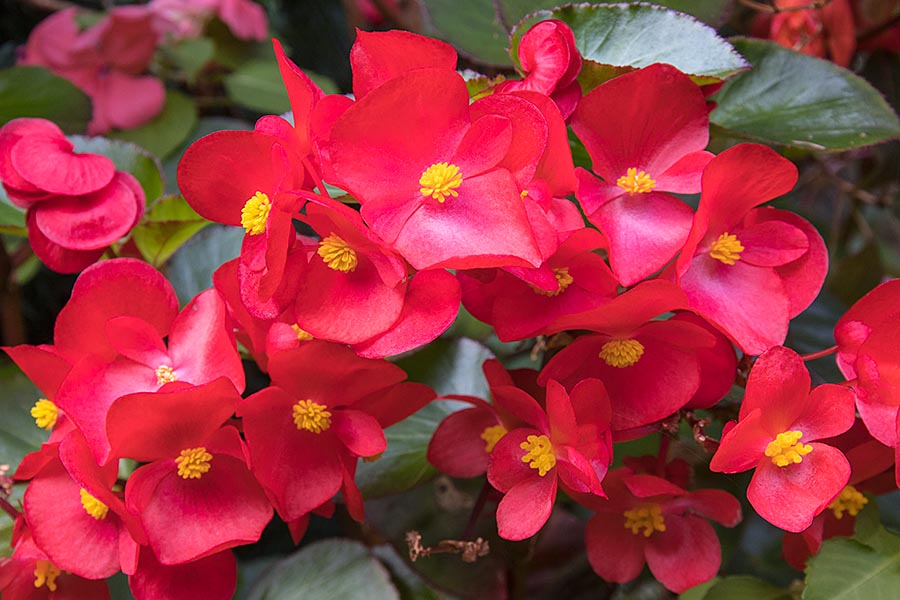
(802,101)
(127,157)
(407,581)
(708,11)
(638,35)
(191,268)
(36,92)
(12,218)
(257,85)
(744,588)
(473,27)
(168,223)
(165,132)
(326,570)
(18,433)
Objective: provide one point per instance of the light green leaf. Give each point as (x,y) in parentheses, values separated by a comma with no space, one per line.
(638,35)
(165,132)
(326,570)
(127,157)
(12,218)
(257,85)
(191,268)
(801,101)
(448,366)
(168,223)
(36,92)
(190,56)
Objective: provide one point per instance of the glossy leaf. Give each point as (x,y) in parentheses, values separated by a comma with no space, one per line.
(166,131)
(777,102)
(334,568)
(168,223)
(36,92)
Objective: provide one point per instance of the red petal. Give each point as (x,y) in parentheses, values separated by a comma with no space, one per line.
(772,243)
(614,552)
(526,507)
(778,385)
(50,164)
(743,445)
(686,554)
(457,448)
(506,468)
(377,57)
(359,432)
(210,578)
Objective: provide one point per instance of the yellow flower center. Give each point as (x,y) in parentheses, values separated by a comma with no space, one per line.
(255,213)
(165,375)
(636,182)
(45,573)
(645,519)
(311,416)
(850,501)
(302,334)
(45,414)
(440,180)
(337,254)
(193,462)
(621,353)
(491,435)
(539,453)
(92,506)
(786,449)
(727,248)
(562,278)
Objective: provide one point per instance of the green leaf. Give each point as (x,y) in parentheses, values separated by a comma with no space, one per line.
(12,218)
(165,132)
(205,126)
(743,587)
(778,103)
(257,85)
(326,570)
(168,223)
(713,12)
(410,585)
(698,592)
(191,56)
(638,35)
(845,569)
(448,366)
(473,27)
(127,157)
(191,267)
(36,92)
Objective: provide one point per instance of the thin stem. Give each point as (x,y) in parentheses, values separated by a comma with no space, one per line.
(9,509)
(662,455)
(476,510)
(819,354)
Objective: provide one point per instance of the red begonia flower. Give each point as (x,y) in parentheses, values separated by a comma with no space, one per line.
(569,442)
(794,480)
(825,32)
(655,144)
(718,364)
(748,270)
(211,578)
(648,520)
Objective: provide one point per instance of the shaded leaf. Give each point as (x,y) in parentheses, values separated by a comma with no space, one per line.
(776,103)
(127,157)
(473,27)
(12,218)
(168,223)
(205,126)
(713,12)
(167,130)
(36,92)
(18,433)
(257,85)
(744,588)
(190,56)
(191,267)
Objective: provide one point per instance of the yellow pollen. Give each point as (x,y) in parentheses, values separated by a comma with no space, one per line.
(647,517)
(255,213)
(621,353)
(45,414)
(540,453)
(193,463)
(302,334)
(165,375)
(726,248)
(337,254)
(636,182)
(491,435)
(92,506)
(562,278)
(45,573)
(311,416)
(440,180)
(850,501)
(523,194)
(786,449)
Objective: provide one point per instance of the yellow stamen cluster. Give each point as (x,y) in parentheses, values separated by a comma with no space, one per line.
(45,414)
(636,182)
(45,573)
(850,501)
(440,180)
(727,248)
(255,213)
(92,506)
(337,254)
(302,334)
(562,278)
(491,435)
(786,449)
(645,519)
(311,416)
(621,353)
(165,375)
(193,463)
(539,453)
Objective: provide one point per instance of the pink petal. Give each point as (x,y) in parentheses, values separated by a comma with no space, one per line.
(50,164)
(686,554)
(526,507)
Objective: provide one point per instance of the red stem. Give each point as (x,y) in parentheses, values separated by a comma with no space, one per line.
(664,441)
(9,509)
(820,353)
